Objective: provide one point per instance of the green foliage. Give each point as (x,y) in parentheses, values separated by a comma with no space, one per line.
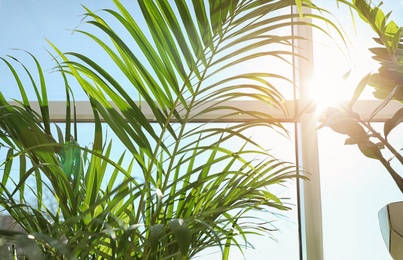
(186,187)
(387,82)
(389,55)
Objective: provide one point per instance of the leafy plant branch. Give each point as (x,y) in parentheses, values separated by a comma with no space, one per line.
(387,82)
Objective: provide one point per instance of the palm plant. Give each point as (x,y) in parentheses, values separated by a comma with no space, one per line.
(185,186)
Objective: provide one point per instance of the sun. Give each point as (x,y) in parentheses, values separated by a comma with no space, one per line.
(326,90)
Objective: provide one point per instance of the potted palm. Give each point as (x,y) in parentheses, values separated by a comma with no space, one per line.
(178,188)
(387,84)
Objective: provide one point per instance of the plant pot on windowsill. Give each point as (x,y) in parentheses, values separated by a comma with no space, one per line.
(391,223)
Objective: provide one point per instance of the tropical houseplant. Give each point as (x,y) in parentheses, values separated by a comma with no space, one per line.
(387,84)
(178,187)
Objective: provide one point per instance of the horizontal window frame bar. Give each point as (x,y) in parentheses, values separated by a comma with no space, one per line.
(363,107)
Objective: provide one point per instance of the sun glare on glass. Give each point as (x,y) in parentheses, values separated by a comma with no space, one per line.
(327,91)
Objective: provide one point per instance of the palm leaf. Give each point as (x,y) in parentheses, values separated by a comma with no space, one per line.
(199,181)
(175,72)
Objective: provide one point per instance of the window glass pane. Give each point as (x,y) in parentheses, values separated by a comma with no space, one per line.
(354,188)
(35,20)
(26,24)
(281,243)
(333,57)
(284,243)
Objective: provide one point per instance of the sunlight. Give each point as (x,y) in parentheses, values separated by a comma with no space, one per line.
(331,84)
(327,90)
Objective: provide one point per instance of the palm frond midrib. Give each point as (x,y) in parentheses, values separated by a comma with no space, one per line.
(193,99)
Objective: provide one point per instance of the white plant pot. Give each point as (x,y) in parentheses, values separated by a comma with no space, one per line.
(391,223)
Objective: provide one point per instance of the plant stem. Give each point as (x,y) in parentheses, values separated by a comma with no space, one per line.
(396,177)
(384,141)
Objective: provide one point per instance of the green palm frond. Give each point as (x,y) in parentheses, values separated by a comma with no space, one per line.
(192,62)
(191,181)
